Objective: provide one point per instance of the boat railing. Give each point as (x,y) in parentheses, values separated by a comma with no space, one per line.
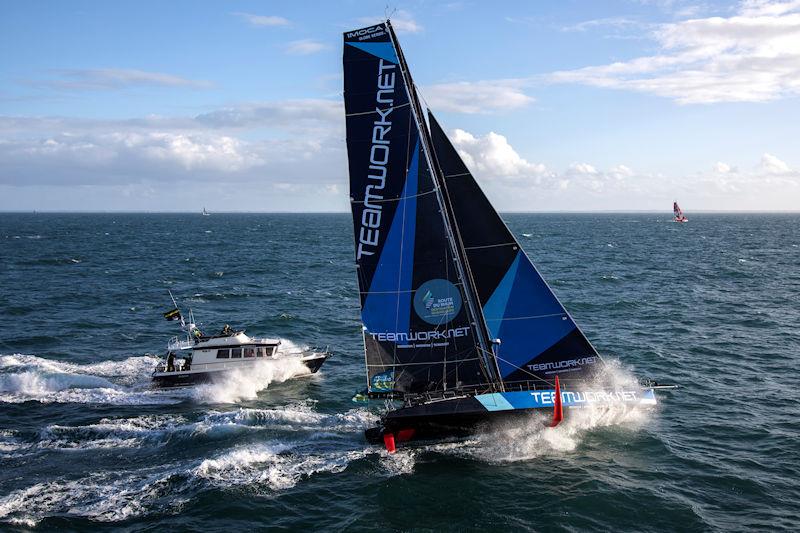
(179,343)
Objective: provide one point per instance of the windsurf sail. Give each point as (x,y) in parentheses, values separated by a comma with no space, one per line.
(449,299)
(676,210)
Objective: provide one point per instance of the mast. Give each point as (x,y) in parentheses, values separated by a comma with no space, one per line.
(487,356)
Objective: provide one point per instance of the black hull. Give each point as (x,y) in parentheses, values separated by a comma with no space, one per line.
(187,379)
(444,419)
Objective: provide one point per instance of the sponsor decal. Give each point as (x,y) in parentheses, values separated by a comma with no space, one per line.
(365,34)
(437,301)
(379,151)
(383,382)
(505,401)
(420,336)
(577,398)
(565,365)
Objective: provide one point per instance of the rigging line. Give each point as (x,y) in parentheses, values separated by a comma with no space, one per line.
(454,236)
(386,200)
(375,110)
(456,175)
(531,317)
(519,368)
(490,246)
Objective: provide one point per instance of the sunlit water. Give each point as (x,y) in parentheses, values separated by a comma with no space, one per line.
(84,442)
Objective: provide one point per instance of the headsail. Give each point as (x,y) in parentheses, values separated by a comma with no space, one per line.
(537,335)
(417,332)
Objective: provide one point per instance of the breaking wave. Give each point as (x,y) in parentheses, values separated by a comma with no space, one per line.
(268,465)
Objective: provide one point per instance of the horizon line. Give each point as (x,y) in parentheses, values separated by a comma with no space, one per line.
(565,211)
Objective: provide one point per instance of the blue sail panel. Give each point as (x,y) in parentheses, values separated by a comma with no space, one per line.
(388,304)
(530,322)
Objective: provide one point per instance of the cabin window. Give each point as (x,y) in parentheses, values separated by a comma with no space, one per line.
(270,351)
(223,354)
(260,351)
(249,352)
(236,352)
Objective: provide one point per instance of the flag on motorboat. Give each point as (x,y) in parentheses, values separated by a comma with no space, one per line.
(173,314)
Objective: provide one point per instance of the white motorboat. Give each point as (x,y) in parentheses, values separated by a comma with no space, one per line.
(199,358)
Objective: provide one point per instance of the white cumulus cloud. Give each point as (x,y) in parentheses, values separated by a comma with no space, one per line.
(477,96)
(752,56)
(773,165)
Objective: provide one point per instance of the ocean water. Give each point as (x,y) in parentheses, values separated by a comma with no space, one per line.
(712,305)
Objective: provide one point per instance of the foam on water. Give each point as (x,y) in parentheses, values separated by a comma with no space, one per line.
(31,378)
(271,465)
(128,381)
(277,465)
(246,383)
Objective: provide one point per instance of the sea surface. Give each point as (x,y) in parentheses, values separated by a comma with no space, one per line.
(712,305)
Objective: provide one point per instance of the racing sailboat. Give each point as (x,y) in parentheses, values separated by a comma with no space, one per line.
(678,214)
(458,324)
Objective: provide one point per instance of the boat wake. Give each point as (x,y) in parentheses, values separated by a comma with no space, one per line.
(30,378)
(128,382)
(531,438)
(276,449)
(245,384)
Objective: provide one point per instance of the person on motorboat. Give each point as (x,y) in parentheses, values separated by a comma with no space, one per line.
(227,331)
(171,362)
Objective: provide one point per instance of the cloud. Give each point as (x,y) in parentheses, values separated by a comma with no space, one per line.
(295,140)
(304,47)
(288,114)
(478,96)
(773,165)
(722,168)
(115,78)
(402,21)
(493,157)
(263,20)
(752,56)
(299,116)
(516,183)
(613,22)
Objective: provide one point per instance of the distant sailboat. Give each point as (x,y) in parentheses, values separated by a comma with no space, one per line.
(457,322)
(205,213)
(678,214)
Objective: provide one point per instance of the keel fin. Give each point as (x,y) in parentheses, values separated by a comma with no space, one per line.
(558,409)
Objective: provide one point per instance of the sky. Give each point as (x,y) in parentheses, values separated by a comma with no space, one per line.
(570,105)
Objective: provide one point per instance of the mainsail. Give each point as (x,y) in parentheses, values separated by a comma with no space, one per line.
(448,297)
(418,335)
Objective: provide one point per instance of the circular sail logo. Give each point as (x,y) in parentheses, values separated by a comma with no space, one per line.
(437,301)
